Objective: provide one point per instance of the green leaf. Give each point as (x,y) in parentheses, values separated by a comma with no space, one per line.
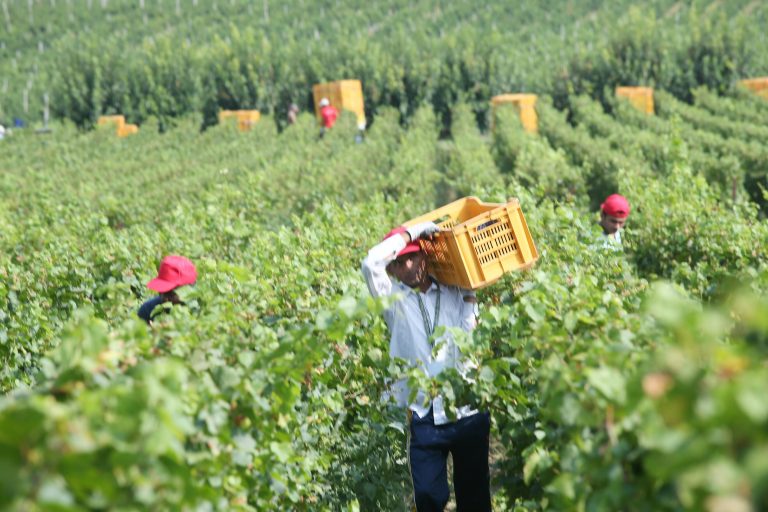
(609,382)
(752,398)
(563,485)
(533,313)
(486,374)
(537,461)
(348,306)
(53,491)
(283,451)
(375,354)
(242,455)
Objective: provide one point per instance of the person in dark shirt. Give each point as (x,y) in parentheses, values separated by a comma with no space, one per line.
(175,271)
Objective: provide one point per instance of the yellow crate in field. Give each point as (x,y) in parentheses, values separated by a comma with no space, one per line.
(342,94)
(245,118)
(227,114)
(757,85)
(640,97)
(478,243)
(525,104)
(127,129)
(118,121)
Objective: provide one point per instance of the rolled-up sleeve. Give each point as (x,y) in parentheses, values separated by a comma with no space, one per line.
(374,265)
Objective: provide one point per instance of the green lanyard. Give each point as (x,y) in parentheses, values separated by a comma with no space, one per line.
(428,326)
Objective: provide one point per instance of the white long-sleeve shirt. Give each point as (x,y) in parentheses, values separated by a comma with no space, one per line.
(409,338)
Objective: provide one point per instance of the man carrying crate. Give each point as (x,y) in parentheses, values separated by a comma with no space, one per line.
(425,304)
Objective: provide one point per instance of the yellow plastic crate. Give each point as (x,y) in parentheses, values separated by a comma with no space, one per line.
(757,85)
(640,97)
(525,104)
(479,242)
(227,114)
(118,121)
(126,130)
(342,94)
(245,118)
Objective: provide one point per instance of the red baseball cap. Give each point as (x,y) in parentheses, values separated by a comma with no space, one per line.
(616,205)
(412,246)
(174,271)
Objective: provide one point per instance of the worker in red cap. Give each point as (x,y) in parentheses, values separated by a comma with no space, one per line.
(175,271)
(613,215)
(398,266)
(328,114)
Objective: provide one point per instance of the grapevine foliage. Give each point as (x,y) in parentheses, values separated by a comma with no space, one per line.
(616,380)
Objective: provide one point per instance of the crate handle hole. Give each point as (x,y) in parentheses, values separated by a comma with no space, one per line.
(444,219)
(487,224)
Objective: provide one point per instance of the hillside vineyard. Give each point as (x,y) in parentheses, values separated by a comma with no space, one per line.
(629,379)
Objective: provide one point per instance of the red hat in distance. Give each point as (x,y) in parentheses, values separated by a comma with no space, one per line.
(174,271)
(412,246)
(616,205)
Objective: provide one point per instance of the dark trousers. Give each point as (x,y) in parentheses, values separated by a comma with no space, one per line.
(467,441)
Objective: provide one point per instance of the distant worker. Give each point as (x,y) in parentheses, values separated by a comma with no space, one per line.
(175,271)
(328,113)
(293,112)
(613,215)
(420,321)
(360,135)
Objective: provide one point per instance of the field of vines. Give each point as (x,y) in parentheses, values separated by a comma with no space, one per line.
(165,58)
(631,380)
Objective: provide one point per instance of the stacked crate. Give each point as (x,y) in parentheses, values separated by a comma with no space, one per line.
(122,129)
(640,97)
(245,118)
(344,95)
(118,121)
(525,104)
(127,129)
(757,85)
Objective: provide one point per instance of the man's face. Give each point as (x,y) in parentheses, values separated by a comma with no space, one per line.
(171,297)
(611,224)
(410,269)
